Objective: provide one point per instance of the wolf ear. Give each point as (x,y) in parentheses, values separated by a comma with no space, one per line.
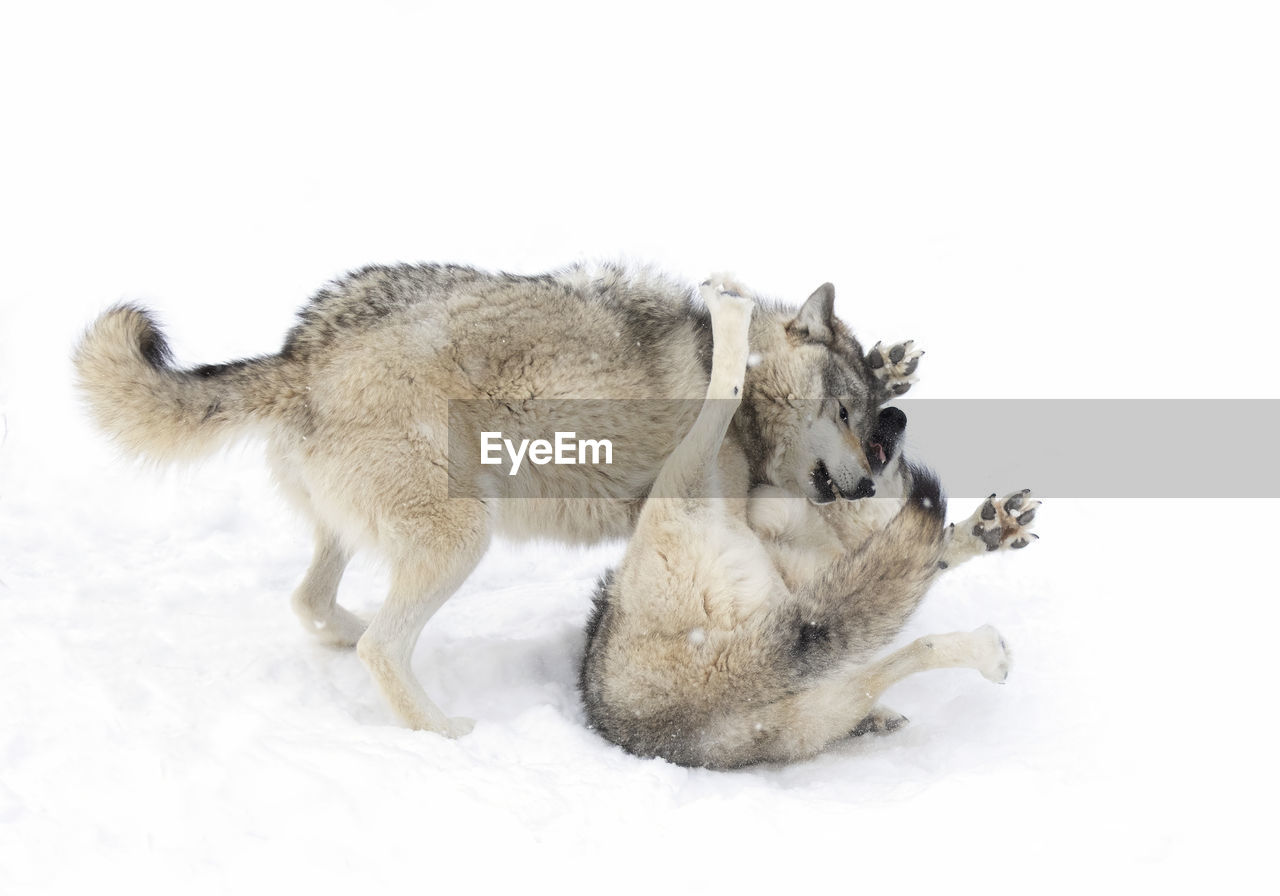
(814,322)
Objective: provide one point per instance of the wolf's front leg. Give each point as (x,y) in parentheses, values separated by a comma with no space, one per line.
(1003,524)
(689,470)
(894,367)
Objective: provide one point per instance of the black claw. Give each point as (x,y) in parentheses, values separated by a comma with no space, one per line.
(897,353)
(988,510)
(875,360)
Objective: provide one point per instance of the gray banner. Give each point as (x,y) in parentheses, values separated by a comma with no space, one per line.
(1076,448)
(1118,448)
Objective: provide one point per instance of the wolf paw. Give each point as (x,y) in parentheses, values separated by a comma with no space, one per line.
(993,654)
(458,726)
(881,720)
(1004,523)
(895,366)
(725,284)
(341,629)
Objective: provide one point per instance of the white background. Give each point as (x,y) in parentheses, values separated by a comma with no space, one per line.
(1070,200)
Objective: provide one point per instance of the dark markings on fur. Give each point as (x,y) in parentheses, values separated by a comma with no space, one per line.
(151,343)
(866,726)
(213,371)
(650,320)
(366,297)
(816,645)
(701,319)
(873,725)
(854,610)
(599,605)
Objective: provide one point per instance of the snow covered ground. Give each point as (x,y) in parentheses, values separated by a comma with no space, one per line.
(1069,204)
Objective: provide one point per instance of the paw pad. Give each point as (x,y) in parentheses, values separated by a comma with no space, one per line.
(1005,523)
(894,366)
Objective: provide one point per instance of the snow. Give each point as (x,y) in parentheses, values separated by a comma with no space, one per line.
(1093,193)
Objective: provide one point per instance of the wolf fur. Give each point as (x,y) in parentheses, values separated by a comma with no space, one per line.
(723,642)
(355,412)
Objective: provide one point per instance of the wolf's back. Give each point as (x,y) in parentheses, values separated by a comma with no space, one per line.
(161,413)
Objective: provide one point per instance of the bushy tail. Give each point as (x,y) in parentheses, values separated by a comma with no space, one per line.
(158,412)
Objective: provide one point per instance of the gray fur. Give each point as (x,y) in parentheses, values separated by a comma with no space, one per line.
(724,641)
(355,413)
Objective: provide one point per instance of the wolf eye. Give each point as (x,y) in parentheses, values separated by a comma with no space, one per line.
(844,415)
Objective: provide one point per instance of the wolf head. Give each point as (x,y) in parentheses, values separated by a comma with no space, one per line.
(811,404)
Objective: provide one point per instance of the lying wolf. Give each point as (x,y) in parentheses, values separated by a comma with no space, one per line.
(721,641)
(356,412)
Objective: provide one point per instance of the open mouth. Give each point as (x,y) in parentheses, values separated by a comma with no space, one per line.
(824,486)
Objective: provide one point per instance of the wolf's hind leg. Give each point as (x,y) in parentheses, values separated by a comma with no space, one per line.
(442,544)
(982,649)
(316,599)
(836,705)
(833,707)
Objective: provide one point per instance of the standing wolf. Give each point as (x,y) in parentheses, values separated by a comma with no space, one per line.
(355,410)
(721,641)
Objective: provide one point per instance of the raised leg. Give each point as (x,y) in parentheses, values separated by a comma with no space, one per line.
(982,649)
(838,704)
(895,367)
(316,599)
(688,471)
(1003,524)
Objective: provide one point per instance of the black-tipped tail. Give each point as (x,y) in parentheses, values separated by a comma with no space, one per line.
(926,491)
(125,372)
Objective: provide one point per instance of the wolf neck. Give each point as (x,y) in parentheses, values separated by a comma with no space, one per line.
(767,335)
